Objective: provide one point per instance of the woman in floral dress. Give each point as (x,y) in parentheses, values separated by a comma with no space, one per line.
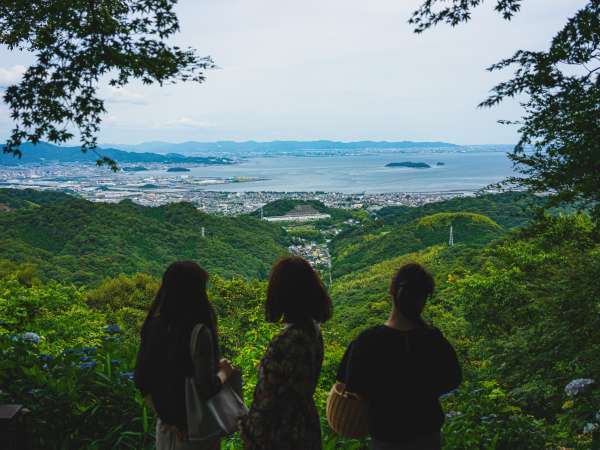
(283,415)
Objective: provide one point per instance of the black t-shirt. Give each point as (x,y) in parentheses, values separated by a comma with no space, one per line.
(402,374)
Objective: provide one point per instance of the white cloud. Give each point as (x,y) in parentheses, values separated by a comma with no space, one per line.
(339,69)
(124,95)
(135,123)
(187,122)
(111,119)
(11,75)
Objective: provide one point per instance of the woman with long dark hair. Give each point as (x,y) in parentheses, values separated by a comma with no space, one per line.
(165,360)
(401,369)
(283,415)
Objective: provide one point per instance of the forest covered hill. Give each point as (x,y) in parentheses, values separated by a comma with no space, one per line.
(74,240)
(509,209)
(476,221)
(516,295)
(365,249)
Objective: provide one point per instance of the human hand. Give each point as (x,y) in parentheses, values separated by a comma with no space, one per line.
(225,370)
(180,436)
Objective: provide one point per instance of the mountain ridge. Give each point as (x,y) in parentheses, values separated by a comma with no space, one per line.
(43,152)
(77,241)
(277,145)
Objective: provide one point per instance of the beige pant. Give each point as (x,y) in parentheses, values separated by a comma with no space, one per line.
(169,441)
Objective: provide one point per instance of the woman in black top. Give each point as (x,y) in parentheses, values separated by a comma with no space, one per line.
(164,360)
(402,368)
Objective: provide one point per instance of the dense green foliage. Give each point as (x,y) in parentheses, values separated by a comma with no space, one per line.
(558,150)
(399,230)
(511,209)
(30,198)
(360,250)
(536,300)
(80,241)
(361,298)
(520,306)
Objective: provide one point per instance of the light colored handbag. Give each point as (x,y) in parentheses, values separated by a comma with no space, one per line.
(347,413)
(227,407)
(216,416)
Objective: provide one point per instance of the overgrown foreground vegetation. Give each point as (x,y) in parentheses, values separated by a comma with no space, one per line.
(518,296)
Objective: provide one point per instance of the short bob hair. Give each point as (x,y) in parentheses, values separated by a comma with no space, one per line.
(296,293)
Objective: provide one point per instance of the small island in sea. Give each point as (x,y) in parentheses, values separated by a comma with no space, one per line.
(134,169)
(178,169)
(412,165)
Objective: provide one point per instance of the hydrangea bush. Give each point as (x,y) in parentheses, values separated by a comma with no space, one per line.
(79,398)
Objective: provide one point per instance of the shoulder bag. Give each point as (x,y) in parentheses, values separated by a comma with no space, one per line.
(347,412)
(216,416)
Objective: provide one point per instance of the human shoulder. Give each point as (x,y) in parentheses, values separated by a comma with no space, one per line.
(434,338)
(368,336)
(383,333)
(433,332)
(300,332)
(293,339)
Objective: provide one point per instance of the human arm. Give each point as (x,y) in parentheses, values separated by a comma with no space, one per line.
(447,375)
(353,369)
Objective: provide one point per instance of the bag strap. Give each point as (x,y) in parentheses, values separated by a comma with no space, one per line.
(349,365)
(194,341)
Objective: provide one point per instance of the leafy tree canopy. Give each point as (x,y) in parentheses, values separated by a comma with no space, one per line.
(558,151)
(432,12)
(78,42)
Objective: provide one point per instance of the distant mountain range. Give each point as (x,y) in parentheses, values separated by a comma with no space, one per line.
(273,146)
(44,152)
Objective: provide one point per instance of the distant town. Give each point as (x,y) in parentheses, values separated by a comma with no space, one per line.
(102,185)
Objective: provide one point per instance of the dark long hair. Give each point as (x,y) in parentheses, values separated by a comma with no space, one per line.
(180,304)
(410,288)
(296,293)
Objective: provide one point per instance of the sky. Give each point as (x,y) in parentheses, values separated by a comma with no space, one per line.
(326,69)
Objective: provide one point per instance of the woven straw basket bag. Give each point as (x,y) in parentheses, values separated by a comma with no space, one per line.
(347,413)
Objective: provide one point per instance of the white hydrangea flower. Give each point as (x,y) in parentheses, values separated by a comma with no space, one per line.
(31,337)
(451,414)
(577,386)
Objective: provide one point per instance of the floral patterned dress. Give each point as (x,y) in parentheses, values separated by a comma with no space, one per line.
(283,415)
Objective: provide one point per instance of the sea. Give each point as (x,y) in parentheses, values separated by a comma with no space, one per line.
(462,171)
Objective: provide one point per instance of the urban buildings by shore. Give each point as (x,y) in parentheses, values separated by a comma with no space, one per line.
(92,183)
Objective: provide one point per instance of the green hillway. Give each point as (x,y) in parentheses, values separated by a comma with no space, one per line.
(517,295)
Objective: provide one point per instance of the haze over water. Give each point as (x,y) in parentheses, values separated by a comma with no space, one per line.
(462,171)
